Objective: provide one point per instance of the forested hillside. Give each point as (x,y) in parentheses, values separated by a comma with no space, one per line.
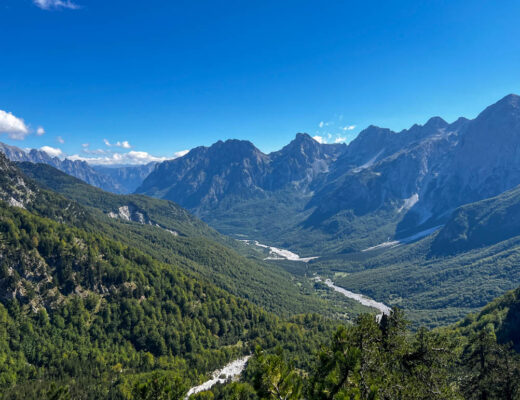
(87,315)
(384,360)
(170,234)
(98,305)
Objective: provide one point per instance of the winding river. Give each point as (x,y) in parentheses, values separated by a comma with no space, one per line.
(234,369)
(282,254)
(366,301)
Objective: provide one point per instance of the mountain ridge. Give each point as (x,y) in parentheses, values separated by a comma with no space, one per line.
(398,182)
(116,179)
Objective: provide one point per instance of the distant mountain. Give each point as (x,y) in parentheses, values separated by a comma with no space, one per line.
(120,179)
(237,169)
(333,198)
(127,178)
(79,169)
(422,174)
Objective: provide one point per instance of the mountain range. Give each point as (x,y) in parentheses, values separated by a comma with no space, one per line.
(130,296)
(326,199)
(391,184)
(126,296)
(333,198)
(115,179)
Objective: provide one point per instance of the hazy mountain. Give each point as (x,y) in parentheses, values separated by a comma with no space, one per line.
(79,169)
(127,178)
(116,179)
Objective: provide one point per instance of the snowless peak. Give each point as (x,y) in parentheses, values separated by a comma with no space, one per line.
(302,137)
(511,99)
(436,122)
(505,107)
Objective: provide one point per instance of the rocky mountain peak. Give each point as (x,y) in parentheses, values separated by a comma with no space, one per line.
(234,150)
(506,108)
(436,123)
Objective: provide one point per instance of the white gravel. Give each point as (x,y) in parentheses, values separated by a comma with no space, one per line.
(230,371)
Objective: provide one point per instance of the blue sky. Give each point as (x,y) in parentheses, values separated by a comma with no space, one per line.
(162,76)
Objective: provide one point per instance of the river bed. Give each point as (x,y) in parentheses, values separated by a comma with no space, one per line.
(230,371)
(360,298)
(278,254)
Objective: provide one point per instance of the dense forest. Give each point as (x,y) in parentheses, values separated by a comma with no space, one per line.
(96,306)
(384,360)
(77,305)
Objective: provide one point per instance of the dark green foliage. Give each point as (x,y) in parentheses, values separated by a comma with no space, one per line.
(501,316)
(231,391)
(371,360)
(491,371)
(77,305)
(364,361)
(197,249)
(160,386)
(273,377)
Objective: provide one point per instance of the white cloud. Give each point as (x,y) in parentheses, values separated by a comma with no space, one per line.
(86,150)
(181,153)
(52,151)
(124,144)
(50,4)
(349,128)
(329,138)
(323,124)
(40,131)
(60,140)
(85,145)
(13,126)
(131,158)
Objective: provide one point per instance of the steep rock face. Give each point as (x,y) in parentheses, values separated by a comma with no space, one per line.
(237,169)
(426,171)
(485,162)
(14,189)
(384,169)
(374,144)
(205,175)
(17,190)
(300,162)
